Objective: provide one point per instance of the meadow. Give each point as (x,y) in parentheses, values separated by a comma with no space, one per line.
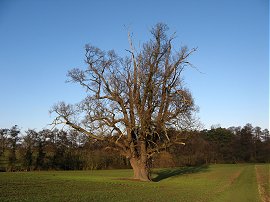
(228,182)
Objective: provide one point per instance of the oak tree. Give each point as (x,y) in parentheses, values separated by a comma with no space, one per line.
(135,103)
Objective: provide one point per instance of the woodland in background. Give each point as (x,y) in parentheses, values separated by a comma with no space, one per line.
(71,150)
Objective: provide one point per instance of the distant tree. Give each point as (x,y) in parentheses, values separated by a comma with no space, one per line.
(3,140)
(197,150)
(265,136)
(265,146)
(221,144)
(131,102)
(40,144)
(75,138)
(13,138)
(28,143)
(247,143)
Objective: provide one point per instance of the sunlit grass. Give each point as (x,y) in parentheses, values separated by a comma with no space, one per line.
(213,183)
(263,180)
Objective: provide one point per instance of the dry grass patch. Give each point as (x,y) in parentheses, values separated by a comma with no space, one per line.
(262,175)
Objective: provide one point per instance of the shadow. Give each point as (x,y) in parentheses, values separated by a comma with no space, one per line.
(173,172)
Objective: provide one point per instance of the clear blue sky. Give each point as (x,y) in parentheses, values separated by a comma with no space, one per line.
(41,40)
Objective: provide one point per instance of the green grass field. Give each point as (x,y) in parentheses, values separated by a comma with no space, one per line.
(243,182)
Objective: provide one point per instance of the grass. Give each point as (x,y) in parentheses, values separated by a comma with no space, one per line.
(263,179)
(237,182)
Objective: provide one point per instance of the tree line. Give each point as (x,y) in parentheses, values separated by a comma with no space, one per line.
(71,150)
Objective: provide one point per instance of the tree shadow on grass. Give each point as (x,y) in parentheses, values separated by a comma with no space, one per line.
(172,172)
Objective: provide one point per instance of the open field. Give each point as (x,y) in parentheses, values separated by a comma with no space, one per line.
(243,182)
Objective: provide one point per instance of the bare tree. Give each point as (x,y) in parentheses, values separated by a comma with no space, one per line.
(132,102)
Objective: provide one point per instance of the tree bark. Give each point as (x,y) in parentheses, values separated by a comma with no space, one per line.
(140,169)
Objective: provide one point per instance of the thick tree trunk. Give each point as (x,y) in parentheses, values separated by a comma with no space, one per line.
(140,169)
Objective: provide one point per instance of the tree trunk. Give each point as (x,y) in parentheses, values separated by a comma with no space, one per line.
(140,169)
